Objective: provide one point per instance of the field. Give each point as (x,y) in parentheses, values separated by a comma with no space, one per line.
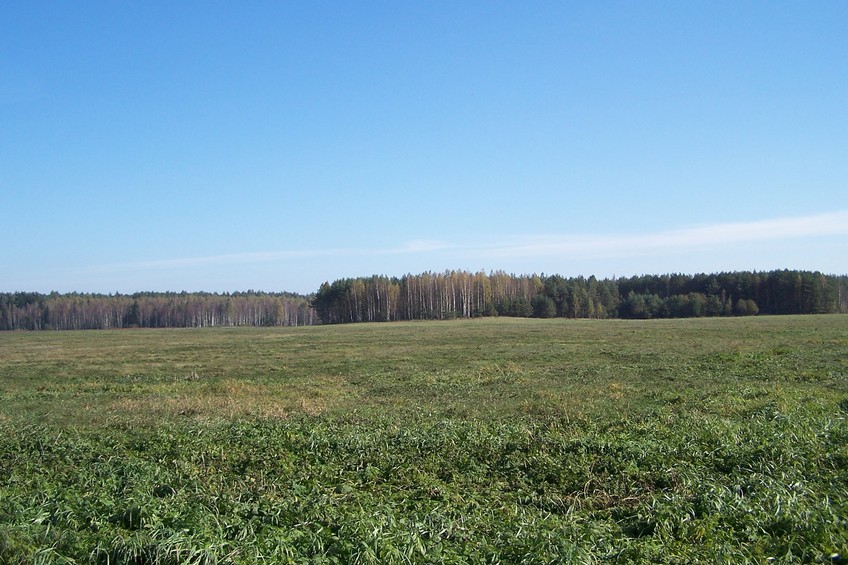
(487,441)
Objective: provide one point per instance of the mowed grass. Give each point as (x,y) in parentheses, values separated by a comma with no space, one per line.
(492,440)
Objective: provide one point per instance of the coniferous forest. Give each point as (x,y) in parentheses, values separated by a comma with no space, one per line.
(441,296)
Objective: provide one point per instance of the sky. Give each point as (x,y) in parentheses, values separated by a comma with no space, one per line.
(227,146)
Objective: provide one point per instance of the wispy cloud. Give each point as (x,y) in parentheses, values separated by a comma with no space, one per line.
(670,241)
(212,260)
(573,246)
(411,247)
(420,246)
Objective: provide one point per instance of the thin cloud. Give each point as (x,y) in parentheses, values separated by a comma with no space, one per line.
(419,246)
(679,240)
(213,260)
(556,246)
(416,246)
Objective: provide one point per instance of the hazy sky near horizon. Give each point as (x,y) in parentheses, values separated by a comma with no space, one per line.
(226,146)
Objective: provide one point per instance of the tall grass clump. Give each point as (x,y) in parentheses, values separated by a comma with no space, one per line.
(668,488)
(474,441)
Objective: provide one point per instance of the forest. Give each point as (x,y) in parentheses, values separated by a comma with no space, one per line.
(461,294)
(440,296)
(75,311)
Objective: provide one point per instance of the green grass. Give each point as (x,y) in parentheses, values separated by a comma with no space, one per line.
(493,440)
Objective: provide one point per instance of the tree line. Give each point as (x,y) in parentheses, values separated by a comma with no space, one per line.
(440,296)
(462,294)
(76,311)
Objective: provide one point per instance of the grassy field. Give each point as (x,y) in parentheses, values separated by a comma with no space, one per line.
(492,441)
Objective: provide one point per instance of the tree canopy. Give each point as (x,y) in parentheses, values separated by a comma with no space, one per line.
(441,296)
(455,294)
(34,311)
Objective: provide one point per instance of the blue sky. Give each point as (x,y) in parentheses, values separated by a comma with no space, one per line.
(229,146)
